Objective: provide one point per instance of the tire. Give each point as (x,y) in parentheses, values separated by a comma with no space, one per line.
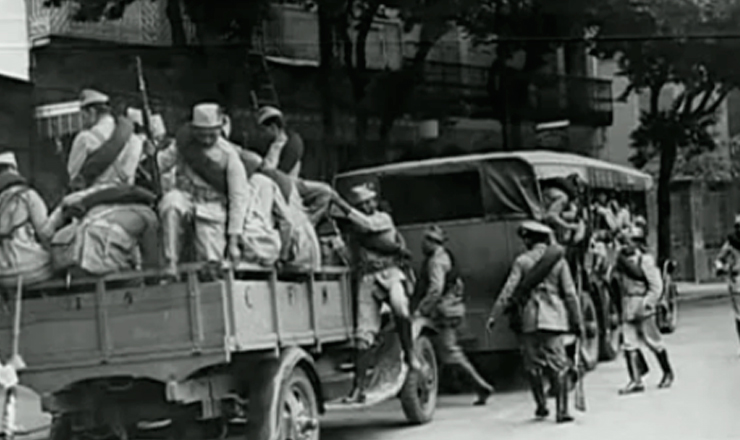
(419,393)
(300,408)
(611,330)
(590,346)
(61,428)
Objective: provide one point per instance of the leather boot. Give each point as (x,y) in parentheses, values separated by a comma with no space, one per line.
(635,384)
(562,414)
(538,391)
(484,389)
(665,365)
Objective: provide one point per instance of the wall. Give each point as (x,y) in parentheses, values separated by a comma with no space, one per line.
(14,46)
(626,116)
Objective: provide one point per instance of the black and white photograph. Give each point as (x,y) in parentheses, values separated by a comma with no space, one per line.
(369,219)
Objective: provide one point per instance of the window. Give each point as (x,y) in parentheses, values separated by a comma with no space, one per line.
(433,198)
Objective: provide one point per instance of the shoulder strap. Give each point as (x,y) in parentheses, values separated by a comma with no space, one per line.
(537,274)
(9,200)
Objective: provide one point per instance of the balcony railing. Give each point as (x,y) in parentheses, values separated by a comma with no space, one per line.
(465,90)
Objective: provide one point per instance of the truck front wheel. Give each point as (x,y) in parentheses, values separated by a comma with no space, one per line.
(419,393)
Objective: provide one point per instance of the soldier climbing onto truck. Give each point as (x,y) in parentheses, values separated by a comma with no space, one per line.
(378,254)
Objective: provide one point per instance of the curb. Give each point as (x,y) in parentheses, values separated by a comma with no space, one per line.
(690,292)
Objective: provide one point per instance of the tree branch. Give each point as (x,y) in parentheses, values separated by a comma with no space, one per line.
(721,96)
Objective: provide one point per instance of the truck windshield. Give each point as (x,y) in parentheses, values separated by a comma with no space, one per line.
(433,197)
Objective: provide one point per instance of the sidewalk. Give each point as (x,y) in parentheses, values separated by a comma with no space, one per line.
(688,291)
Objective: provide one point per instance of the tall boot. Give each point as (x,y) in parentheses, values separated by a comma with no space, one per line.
(665,365)
(483,388)
(538,391)
(737,328)
(362,365)
(562,413)
(635,384)
(406,336)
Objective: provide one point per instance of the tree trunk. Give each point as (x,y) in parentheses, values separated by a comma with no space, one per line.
(177,26)
(405,82)
(668,152)
(359,74)
(327,151)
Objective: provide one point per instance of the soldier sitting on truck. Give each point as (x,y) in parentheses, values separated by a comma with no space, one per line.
(285,153)
(379,250)
(24,234)
(109,223)
(266,217)
(211,191)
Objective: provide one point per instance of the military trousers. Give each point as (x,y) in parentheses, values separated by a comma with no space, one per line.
(544,351)
(642,331)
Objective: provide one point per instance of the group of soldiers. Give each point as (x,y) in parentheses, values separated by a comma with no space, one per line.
(234,203)
(542,300)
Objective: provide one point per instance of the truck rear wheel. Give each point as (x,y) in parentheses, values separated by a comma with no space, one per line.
(299,409)
(419,393)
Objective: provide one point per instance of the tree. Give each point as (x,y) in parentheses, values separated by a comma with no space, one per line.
(701,73)
(523,33)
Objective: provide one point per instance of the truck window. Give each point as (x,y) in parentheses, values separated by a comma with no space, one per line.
(433,198)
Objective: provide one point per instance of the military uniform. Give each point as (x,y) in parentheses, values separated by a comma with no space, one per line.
(442,291)
(728,264)
(550,312)
(642,286)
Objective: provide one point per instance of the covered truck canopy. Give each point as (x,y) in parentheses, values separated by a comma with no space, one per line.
(506,182)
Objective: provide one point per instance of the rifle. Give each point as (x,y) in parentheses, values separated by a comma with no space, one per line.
(156,177)
(580,394)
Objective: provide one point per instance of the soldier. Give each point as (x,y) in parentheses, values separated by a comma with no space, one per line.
(728,264)
(541,299)
(642,286)
(442,288)
(379,250)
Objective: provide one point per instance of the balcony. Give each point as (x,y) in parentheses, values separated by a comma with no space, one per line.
(291,33)
(459,90)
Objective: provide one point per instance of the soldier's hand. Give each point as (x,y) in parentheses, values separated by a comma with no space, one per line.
(234,248)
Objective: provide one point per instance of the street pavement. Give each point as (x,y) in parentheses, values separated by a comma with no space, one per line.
(704,403)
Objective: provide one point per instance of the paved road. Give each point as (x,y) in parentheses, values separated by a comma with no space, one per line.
(703,404)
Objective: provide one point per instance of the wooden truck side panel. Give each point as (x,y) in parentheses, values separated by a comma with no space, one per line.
(169,332)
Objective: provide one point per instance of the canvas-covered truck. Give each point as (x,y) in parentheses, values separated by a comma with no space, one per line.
(257,353)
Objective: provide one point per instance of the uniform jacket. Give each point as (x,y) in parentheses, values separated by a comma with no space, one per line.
(123,169)
(440,300)
(729,260)
(23,218)
(233,206)
(553,305)
(639,298)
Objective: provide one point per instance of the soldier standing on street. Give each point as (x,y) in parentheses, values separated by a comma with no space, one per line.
(728,264)
(642,287)
(541,299)
(442,301)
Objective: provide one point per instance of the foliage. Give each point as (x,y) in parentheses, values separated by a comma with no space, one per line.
(702,72)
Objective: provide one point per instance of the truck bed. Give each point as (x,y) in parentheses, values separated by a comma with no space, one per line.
(117,326)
